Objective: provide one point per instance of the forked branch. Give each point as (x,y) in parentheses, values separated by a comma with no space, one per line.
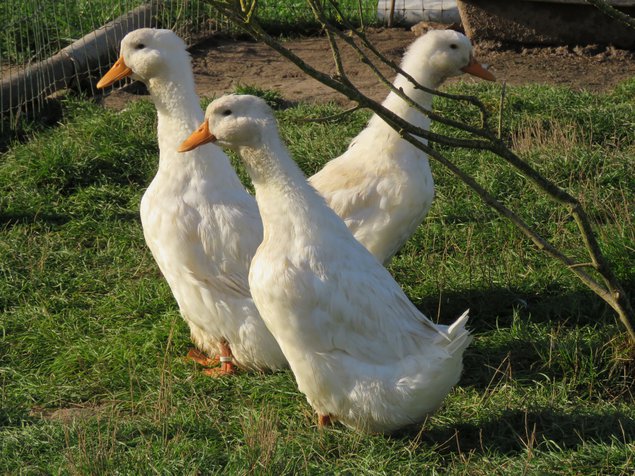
(482,138)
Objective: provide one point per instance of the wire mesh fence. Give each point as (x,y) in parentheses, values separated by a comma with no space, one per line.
(48,45)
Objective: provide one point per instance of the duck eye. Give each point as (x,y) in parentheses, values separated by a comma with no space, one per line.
(139,46)
(454,46)
(226,112)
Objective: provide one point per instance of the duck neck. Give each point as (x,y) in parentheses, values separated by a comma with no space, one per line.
(282,191)
(422,75)
(178,109)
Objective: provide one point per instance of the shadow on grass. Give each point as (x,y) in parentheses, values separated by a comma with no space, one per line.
(547,336)
(514,431)
(494,307)
(9,219)
(25,122)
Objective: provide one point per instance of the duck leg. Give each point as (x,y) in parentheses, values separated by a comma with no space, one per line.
(324,420)
(226,359)
(202,359)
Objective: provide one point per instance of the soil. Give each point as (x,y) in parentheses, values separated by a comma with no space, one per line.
(220,64)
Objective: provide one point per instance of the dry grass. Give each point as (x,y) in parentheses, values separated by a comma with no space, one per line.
(534,136)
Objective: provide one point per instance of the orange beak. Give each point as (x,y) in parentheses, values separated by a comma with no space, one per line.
(476,69)
(200,136)
(118,71)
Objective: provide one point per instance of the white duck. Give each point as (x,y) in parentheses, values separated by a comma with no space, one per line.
(382,185)
(198,220)
(360,351)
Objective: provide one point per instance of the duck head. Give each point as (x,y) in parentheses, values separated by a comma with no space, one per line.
(443,54)
(233,121)
(146,54)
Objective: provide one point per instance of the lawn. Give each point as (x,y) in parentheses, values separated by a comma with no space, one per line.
(92,343)
(36,29)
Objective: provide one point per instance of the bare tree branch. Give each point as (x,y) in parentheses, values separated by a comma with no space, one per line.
(613,12)
(395,67)
(609,288)
(432,115)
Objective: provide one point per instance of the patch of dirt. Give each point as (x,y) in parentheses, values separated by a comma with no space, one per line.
(220,64)
(589,67)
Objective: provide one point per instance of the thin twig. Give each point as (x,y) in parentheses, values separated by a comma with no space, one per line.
(501,110)
(582,265)
(613,12)
(465,143)
(360,12)
(610,290)
(395,67)
(391,14)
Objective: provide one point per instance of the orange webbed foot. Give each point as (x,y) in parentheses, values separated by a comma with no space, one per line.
(226,368)
(226,360)
(202,359)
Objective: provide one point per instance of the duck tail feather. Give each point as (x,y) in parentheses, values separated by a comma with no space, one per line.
(459,325)
(459,336)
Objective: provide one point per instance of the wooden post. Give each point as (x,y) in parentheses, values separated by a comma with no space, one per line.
(391,15)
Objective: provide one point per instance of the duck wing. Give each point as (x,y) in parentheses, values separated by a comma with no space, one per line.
(347,301)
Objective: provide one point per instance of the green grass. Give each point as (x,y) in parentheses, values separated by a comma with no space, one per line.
(296,16)
(92,379)
(36,29)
